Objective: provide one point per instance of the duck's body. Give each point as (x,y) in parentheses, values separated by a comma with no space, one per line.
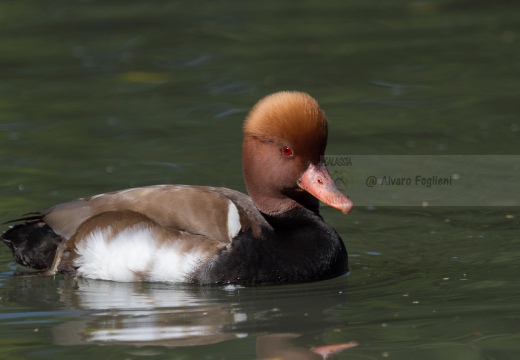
(203,235)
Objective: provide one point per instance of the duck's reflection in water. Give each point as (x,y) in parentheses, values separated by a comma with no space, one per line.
(171,315)
(146,314)
(280,346)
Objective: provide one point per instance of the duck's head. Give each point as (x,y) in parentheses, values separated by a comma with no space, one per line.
(285,136)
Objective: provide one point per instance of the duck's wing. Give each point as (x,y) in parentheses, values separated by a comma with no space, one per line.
(215,213)
(159,233)
(203,217)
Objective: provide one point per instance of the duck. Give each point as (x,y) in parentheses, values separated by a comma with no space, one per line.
(201,234)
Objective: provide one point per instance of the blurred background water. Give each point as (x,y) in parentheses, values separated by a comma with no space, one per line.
(102,95)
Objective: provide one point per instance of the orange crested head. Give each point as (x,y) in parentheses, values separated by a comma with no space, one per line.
(285,135)
(289,118)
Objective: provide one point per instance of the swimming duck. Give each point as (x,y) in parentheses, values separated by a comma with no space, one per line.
(207,235)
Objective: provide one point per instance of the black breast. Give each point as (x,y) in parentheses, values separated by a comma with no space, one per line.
(299,247)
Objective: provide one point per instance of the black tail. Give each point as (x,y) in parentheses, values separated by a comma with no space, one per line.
(33,244)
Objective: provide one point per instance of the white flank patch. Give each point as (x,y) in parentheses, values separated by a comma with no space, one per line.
(134,255)
(233,220)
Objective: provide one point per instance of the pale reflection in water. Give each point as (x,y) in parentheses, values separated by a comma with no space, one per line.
(166,315)
(138,314)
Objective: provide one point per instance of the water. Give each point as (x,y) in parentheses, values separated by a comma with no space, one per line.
(99,96)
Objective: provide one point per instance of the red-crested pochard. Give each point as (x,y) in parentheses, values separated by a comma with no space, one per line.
(207,235)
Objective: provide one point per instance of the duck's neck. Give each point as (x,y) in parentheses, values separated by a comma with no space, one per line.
(296,217)
(273,205)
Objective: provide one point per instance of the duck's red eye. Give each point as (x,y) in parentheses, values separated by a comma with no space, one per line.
(287,151)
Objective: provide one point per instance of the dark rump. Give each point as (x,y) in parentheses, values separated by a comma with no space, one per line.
(33,244)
